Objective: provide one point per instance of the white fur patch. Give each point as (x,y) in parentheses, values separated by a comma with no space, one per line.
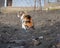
(23,26)
(22,17)
(18,16)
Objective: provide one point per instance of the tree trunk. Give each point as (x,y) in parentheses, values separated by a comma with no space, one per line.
(34,5)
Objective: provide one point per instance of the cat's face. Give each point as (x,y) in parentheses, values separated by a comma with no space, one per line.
(20,14)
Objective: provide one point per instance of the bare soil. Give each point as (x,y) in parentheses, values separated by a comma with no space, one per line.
(47,24)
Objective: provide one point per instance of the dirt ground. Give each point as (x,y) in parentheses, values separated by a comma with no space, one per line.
(47,24)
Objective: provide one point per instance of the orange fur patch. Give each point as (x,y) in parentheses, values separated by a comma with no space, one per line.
(28,22)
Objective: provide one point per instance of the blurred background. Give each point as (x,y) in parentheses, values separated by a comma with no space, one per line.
(16,5)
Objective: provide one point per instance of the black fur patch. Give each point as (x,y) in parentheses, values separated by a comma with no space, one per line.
(27,21)
(28,17)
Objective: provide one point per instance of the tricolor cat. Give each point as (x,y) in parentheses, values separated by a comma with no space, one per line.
(27,22)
